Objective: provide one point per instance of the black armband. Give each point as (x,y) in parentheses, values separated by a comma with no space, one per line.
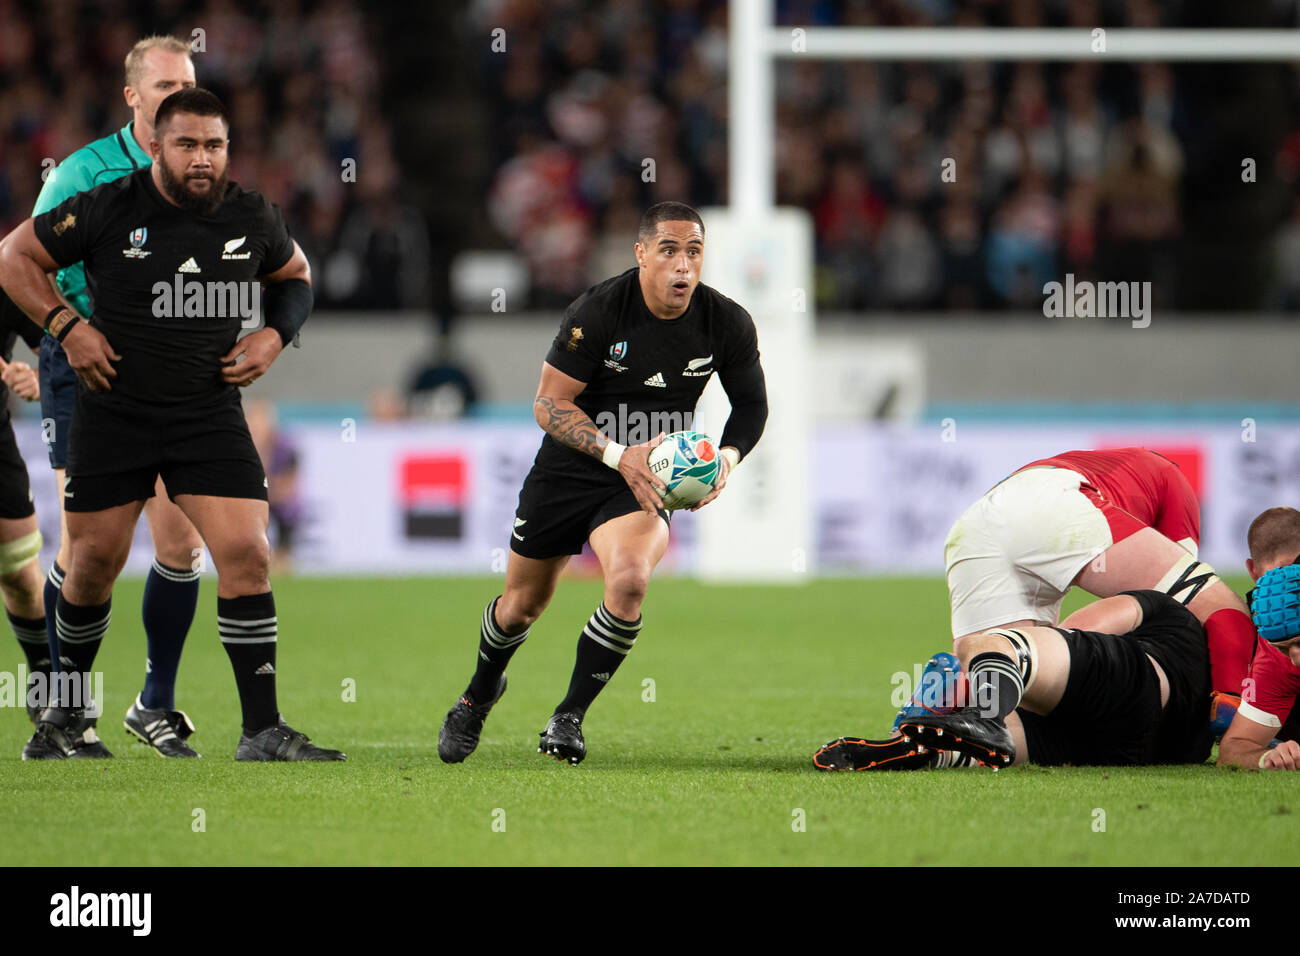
(288,304)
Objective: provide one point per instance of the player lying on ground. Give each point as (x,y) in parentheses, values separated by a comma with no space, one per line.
(1104,521)
(634,349)
(1127,687)
(168,403)
(1270,701)
(1274,541)
(20,538)
(155,68)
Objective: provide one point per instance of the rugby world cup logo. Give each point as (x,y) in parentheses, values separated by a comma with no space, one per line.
(138,237)
(617,350)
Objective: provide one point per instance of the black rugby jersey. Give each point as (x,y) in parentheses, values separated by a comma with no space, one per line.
(645,374)
(1175,639)
(170,288)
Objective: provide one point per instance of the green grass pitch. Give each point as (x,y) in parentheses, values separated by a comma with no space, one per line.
(716,769)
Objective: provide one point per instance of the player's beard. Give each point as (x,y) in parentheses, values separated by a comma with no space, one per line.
(179,192)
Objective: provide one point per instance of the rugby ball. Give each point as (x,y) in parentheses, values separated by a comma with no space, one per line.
(689,464)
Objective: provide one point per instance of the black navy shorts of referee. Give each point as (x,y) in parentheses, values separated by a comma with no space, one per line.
(58,399)
(1110,711)
(118,449)
(557,512)
(15,487)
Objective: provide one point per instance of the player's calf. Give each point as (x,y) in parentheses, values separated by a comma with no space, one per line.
(21,582)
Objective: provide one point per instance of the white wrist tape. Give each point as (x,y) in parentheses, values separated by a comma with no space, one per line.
(613,452)
(732,456)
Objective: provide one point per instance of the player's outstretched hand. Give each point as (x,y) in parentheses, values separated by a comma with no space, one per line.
(21,379)
(91,357)
(634,466)
(1285,756)
(259,350)
(717,488)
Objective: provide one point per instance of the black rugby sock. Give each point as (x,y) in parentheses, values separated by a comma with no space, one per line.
(248,631)
(170,596)
(81,629)
(495,648)
(995,684)
(604,644)
(32,638)
(53,584)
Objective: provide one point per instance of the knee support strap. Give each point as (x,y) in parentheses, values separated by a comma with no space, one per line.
(1026,652)
(14,555)
(1186,579)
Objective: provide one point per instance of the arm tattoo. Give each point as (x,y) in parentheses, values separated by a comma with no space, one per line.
(569,425)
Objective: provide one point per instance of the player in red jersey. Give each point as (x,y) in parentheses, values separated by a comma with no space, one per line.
(1108,522)
(1105,521)
(1270,706)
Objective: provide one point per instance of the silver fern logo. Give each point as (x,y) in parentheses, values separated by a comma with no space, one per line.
(228,250)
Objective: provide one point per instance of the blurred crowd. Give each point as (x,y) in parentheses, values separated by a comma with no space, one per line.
(932,185)
(1055,167)
(302,81)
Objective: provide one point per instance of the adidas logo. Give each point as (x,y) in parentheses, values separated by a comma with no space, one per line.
(267,668)
(657,380)
(189,265)
(602,677)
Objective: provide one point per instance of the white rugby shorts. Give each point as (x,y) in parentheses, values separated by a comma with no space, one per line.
(1013,554)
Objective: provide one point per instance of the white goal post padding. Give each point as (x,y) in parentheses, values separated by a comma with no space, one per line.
(760,528)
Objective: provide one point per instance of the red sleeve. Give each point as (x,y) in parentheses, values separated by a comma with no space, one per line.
(1270,689)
